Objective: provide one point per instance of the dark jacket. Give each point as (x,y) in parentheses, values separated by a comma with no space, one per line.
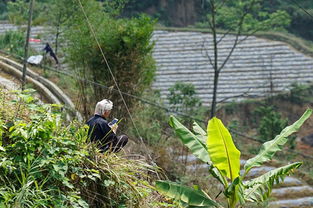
(98,131)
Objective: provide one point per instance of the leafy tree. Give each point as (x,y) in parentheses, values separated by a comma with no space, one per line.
(59,17)
(256,19)
(216,148)
(18,12)
(126,46)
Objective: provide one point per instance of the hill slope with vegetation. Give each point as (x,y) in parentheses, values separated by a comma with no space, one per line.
(47,162)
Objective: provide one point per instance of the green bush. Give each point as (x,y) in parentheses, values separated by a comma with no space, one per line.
(300,93)
(126,46)
(183,99)
(271,123)
(46,163)
(13,42)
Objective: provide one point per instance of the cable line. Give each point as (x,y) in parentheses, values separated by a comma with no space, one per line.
(298,5)
(114,80)
(107,64)
(153,104)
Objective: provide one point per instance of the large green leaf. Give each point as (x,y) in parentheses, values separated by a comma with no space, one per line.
(222,150)
(192,197)
(199,132)
(260,188)
(269,148)
(190,140)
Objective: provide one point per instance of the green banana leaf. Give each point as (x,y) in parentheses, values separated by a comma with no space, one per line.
(269,148)
(199,132)
(222,150)
(260,188)
(235,191)
(190,140)
(192,197)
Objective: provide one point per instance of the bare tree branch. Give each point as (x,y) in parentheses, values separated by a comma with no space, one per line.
(244,94)
(221,5)
(207,52)
(237,36)
(224,35)
(210,21)
(231,51)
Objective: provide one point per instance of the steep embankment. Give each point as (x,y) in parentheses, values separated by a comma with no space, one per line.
(51,92)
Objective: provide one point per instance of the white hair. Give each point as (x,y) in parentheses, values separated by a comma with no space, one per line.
(102,106)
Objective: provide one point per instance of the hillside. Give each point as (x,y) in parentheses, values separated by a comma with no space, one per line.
(257,68)
(47,162)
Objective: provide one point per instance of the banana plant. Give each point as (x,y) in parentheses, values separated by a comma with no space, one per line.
(216,148)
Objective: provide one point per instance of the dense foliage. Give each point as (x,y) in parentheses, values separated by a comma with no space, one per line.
(183,99)
(46,163)
(13,42)
(126,46)
(286,14)
(289,15)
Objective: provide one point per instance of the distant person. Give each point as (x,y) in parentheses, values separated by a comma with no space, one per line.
(49,50)
(102,132)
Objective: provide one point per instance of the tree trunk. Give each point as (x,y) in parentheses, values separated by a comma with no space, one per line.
(213,105)
(215,63)
(57,35)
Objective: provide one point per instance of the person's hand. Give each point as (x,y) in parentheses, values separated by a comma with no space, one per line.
(114,128)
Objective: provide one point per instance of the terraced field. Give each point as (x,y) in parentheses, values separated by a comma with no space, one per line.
(256,68)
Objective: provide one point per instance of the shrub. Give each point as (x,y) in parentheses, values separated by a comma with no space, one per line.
(126,46)
(300,93)
(46,163)
(270,123)
(13,42)
(183,99)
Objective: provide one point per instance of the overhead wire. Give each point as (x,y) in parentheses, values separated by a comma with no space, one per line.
(298,5)
(108,66)
(145,101)
(115,82)
(155,105)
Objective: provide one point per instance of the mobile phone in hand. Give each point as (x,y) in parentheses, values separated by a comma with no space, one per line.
(114,121)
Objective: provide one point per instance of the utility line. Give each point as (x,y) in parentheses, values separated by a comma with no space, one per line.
(108,66)
(298,5)
(163,108)
(115,82)
(153,104)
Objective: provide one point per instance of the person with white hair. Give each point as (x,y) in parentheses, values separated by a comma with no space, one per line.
(102,132)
